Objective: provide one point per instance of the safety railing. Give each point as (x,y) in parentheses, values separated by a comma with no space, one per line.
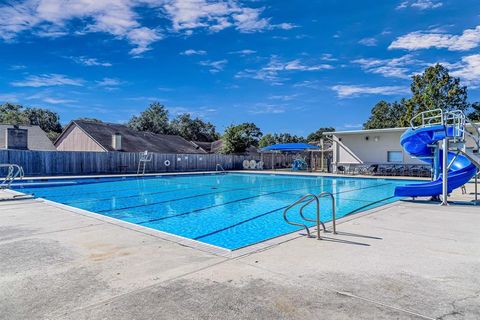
(14,171)
(427,118)
(219,167)
(305,201)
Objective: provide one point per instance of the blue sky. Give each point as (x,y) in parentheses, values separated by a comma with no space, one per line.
(288,66)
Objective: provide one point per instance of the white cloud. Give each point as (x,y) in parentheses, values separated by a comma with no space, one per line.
(214,66)
(120,18)
(469,39)
(369,42)
(243,52)
(328,57)
(56,100)
(47,80)
(396,67)
(8,97)
(351,91)
(298,65)
(283,97)
(18,67)
(265,108)
(50,18)
(90,61)
(468,70)
(271,72)
(352,125)
(109,82)
(192,52)
(420,4)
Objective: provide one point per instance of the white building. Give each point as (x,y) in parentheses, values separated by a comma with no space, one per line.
(377,146)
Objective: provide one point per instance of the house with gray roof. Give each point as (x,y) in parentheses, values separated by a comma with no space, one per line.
(86,135)
(24,137)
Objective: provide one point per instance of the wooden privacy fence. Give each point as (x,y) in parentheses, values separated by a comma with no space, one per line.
(52,163)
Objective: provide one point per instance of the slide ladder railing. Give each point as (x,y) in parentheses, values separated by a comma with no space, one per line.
(14,171)
(306,201)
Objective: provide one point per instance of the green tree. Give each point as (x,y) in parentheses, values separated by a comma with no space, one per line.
(475,114)
(433,89)
(269,139)
(382,116)
(436,89)
(90,120)
(47,120)
(238,138)
(12,114)
(194,129)
(154,119)
(317,135)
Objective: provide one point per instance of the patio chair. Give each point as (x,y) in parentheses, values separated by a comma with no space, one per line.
(260,165)
(246,164)
(372,170)
(341,169)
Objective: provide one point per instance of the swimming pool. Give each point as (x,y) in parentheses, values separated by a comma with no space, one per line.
(229,210)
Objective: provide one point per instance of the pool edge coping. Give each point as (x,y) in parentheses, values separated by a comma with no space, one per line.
(210,248)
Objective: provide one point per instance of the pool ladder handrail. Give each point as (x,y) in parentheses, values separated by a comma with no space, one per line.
(14,171)
(312,198)
(221,168)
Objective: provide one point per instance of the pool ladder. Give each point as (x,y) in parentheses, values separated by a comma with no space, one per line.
(305,201)
(14,171)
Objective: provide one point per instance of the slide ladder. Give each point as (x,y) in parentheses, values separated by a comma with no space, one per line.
(440,139)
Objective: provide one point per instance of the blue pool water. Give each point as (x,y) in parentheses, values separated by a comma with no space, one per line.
(227,210)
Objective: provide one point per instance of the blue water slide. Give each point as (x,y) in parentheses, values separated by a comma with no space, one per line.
(416,142)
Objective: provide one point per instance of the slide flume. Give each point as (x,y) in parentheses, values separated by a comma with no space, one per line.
(416,142)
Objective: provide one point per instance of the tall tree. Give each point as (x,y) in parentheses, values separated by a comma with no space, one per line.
(194,129)
(382,116)
(48,120)
(475,114)
(238,138)
(433,89)
(269,139)
(12,114)
(154,119)
(436,89)
(317,135)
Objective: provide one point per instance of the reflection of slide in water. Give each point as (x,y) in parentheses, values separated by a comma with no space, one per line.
(416,142)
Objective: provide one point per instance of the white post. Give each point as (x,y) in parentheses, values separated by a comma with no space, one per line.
(445,172)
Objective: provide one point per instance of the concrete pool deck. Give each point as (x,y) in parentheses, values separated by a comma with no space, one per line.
(409,260)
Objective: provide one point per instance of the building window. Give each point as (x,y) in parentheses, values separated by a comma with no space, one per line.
(394,156)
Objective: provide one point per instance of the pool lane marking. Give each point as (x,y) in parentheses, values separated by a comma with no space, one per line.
(225,189)
(116,190)
(194,186)
(196,196)
(368,205)
(272,211)
(238,200)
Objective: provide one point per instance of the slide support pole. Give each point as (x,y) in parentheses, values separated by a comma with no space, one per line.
(445,172)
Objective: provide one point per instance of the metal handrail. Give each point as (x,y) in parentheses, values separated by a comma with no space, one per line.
(334,220)
(301,200)
(219,166)
(12,174)
(428,120)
